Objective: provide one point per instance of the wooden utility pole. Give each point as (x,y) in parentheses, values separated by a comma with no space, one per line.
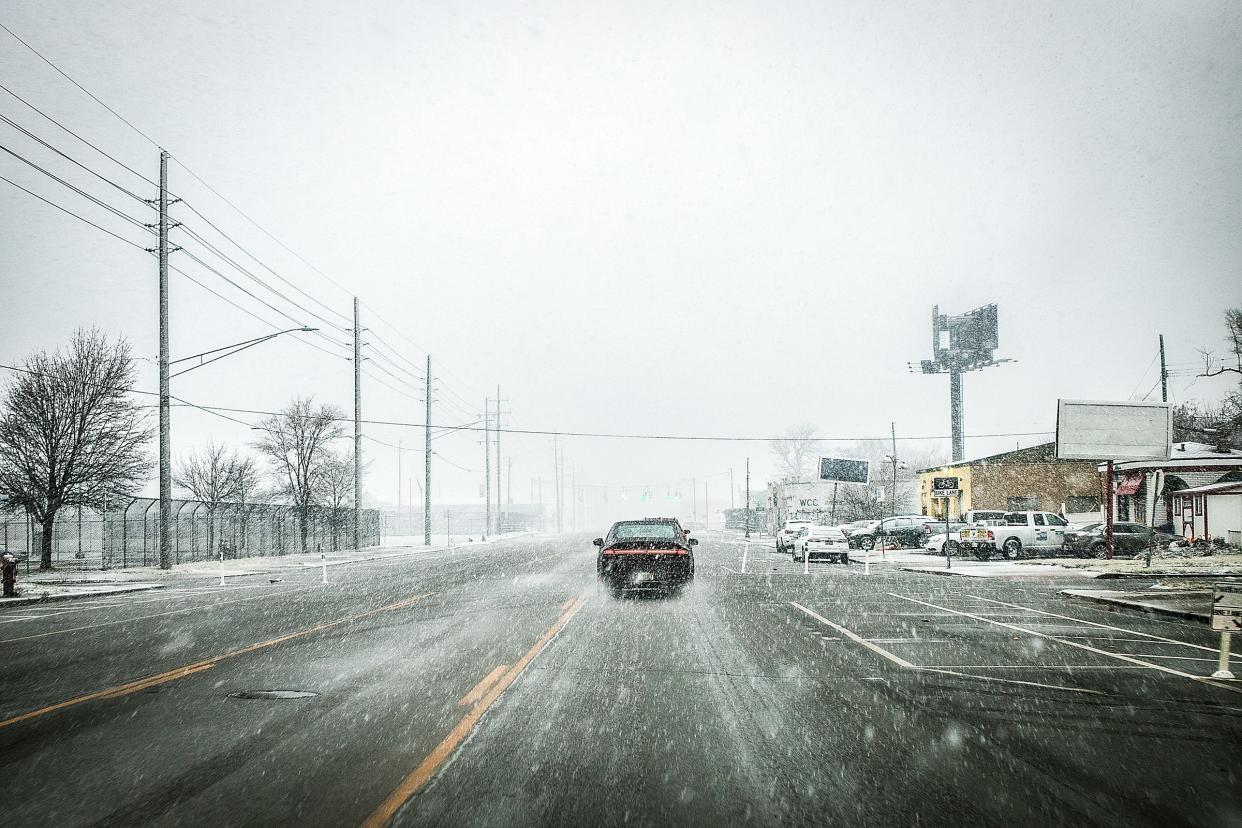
(500,515)
(357,430)
(748,497)
(487,462)
(1164,374)
(165,411)
(427,463)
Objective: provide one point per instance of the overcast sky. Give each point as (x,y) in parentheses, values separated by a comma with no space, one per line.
(672,218)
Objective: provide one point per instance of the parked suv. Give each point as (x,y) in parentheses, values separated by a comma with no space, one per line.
(906,530)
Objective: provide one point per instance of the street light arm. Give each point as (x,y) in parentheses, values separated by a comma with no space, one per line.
(235,348)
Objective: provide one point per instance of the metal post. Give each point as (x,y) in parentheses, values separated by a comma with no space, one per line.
(1108,510)
(323,564)
(955,412)
(427,463)
(165,411)
(357,431)
(833,517)
(1164,374)
(398,487)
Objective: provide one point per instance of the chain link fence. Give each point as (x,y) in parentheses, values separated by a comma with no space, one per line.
(129,535)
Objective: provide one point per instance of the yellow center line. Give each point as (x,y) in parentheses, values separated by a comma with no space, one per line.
(426,769)
(481,688)
(189,669)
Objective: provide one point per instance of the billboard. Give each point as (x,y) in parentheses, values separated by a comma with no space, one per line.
(970,337)
(843,470)
(1103,430)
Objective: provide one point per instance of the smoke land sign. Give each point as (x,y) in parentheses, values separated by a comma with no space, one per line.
(842,470)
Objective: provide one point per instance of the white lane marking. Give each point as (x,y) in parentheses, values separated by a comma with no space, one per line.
(1158,667)
(857,639)
(727,569)
(901,662)
(1096,624)
(145,617)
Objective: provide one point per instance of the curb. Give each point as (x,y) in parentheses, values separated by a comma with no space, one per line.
(1167,575)
(39,599)
(1138,606)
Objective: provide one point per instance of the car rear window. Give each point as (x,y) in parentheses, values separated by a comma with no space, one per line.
(658,531)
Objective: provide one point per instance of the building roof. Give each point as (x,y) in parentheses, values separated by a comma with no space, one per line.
(1042,453)
(1186,454)
(1213,488)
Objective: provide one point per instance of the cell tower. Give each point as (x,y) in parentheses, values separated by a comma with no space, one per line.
(959,344)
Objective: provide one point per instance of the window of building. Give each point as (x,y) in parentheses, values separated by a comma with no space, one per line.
(1025,503)
(1198,504)
(1077,504)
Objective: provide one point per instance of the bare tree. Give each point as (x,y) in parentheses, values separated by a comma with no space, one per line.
(69,434)
(215,476)
(336,488)
(793,449)
(296,442)
(1221,423)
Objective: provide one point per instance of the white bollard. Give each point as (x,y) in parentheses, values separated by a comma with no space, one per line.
(867,565)
(806,561)
(221,566)
(323,562)
(1224,672)
(745,555)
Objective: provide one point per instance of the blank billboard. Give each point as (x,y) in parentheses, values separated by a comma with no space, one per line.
(1101,430)
(840,470)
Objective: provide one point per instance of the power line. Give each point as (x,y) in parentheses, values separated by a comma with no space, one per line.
(75,215)
(79,86)
(79,137)
(114,210)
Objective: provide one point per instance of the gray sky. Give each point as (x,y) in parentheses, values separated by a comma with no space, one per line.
(690,218)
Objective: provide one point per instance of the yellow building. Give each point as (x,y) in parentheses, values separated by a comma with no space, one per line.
(1030,478)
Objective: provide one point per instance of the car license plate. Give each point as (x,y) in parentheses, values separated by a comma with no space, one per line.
(639,577)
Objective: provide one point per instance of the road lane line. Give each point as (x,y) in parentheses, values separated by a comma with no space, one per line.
(426,769)
(1158,667)
(901,662)
(152,615)
(189,669)
(479,689)
(1096,624)
(857,639)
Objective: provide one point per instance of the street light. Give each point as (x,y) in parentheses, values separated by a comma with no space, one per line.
(235,348)
(165,447)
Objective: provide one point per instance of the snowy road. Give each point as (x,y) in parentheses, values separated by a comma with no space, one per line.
(497,686)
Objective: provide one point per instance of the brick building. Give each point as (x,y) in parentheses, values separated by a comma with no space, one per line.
(1029,478)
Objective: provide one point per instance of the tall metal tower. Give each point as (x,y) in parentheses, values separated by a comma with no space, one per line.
(960,344)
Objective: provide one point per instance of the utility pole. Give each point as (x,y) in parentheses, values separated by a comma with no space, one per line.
(165,411)
(487,462)
(500,515)
(955,413)
(1164,374)
(556,480)
(893,426)
(732,489)
(398,532)
(427,463)
(357,430)
(539,486)
(748,498)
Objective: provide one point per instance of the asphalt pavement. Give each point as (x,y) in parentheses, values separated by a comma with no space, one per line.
(498,685)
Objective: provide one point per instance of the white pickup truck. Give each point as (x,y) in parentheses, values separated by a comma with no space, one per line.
(1020,533)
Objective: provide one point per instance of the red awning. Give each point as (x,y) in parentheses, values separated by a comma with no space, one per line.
(1130,484)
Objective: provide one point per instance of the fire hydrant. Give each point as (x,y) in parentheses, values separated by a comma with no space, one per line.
(8,573)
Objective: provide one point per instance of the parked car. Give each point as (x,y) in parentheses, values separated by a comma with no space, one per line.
(822,542)
(786,534)
(906,530)
(1128,539)
(937,544)
(653,553)
(1021,533)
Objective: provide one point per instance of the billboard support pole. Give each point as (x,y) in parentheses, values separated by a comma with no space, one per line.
(955,412)
(834,503)
(1108,510)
